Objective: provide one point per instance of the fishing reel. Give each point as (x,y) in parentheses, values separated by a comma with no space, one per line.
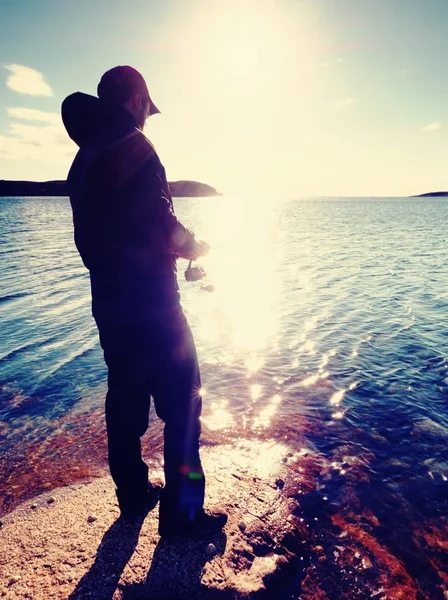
(194,273)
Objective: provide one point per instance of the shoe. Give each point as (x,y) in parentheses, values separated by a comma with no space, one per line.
(130,507)
(206,522)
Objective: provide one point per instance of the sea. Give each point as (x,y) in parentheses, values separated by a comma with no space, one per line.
(321,330)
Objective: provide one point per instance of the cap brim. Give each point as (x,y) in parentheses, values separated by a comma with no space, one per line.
(153,110)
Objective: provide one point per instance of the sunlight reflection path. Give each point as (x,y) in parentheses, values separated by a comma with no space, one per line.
(239,320)
(242,267)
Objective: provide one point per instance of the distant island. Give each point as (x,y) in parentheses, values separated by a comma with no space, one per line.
(430,194)
(59,188)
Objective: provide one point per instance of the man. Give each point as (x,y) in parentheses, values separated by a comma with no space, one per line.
(129,238)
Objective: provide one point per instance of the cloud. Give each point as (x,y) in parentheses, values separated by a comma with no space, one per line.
(327,63)
(347,101)
(27,81)
(47,143)
(29,114)
(432,126)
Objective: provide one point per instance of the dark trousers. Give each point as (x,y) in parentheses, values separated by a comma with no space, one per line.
(154,357)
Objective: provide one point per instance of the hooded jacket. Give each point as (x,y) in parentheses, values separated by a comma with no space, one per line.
(124,223)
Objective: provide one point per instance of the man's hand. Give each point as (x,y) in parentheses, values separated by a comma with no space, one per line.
(200,249)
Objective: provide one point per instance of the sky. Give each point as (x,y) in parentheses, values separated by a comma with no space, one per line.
(258,97)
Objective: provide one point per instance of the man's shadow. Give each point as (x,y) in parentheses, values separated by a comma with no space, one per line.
(116,548)
(176,571)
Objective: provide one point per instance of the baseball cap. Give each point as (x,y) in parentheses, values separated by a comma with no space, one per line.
(118,84)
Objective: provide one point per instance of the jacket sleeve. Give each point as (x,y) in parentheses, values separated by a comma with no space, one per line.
(173,236)
(138,165)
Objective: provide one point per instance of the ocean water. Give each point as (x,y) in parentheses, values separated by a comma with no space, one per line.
(325,333)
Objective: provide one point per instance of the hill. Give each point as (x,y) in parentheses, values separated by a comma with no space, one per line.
(430,194)
(59,188)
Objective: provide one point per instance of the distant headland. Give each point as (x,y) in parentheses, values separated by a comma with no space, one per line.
(59,188)
(430,194)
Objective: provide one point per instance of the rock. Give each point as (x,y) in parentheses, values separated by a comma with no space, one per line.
(14,579)
(429,428)
(242,526)
(322,558)
(51,499)
(211,549)
(1,523)
(280,483)
(33,506)
(91,519)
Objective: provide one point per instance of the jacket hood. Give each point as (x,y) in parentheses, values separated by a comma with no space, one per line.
(83,115)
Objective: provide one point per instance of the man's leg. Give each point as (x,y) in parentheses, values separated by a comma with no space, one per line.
(175,386)
(127,410)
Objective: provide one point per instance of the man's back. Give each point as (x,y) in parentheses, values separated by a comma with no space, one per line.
(125,227)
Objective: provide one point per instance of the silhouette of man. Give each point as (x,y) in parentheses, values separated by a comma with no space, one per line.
(129,239)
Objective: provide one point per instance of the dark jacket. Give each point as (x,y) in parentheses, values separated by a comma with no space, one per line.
(125,228)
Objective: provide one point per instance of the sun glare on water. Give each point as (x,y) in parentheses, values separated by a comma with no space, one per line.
(241,267)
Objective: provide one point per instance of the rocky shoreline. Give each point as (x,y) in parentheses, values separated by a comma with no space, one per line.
(71,543)
(285,539)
